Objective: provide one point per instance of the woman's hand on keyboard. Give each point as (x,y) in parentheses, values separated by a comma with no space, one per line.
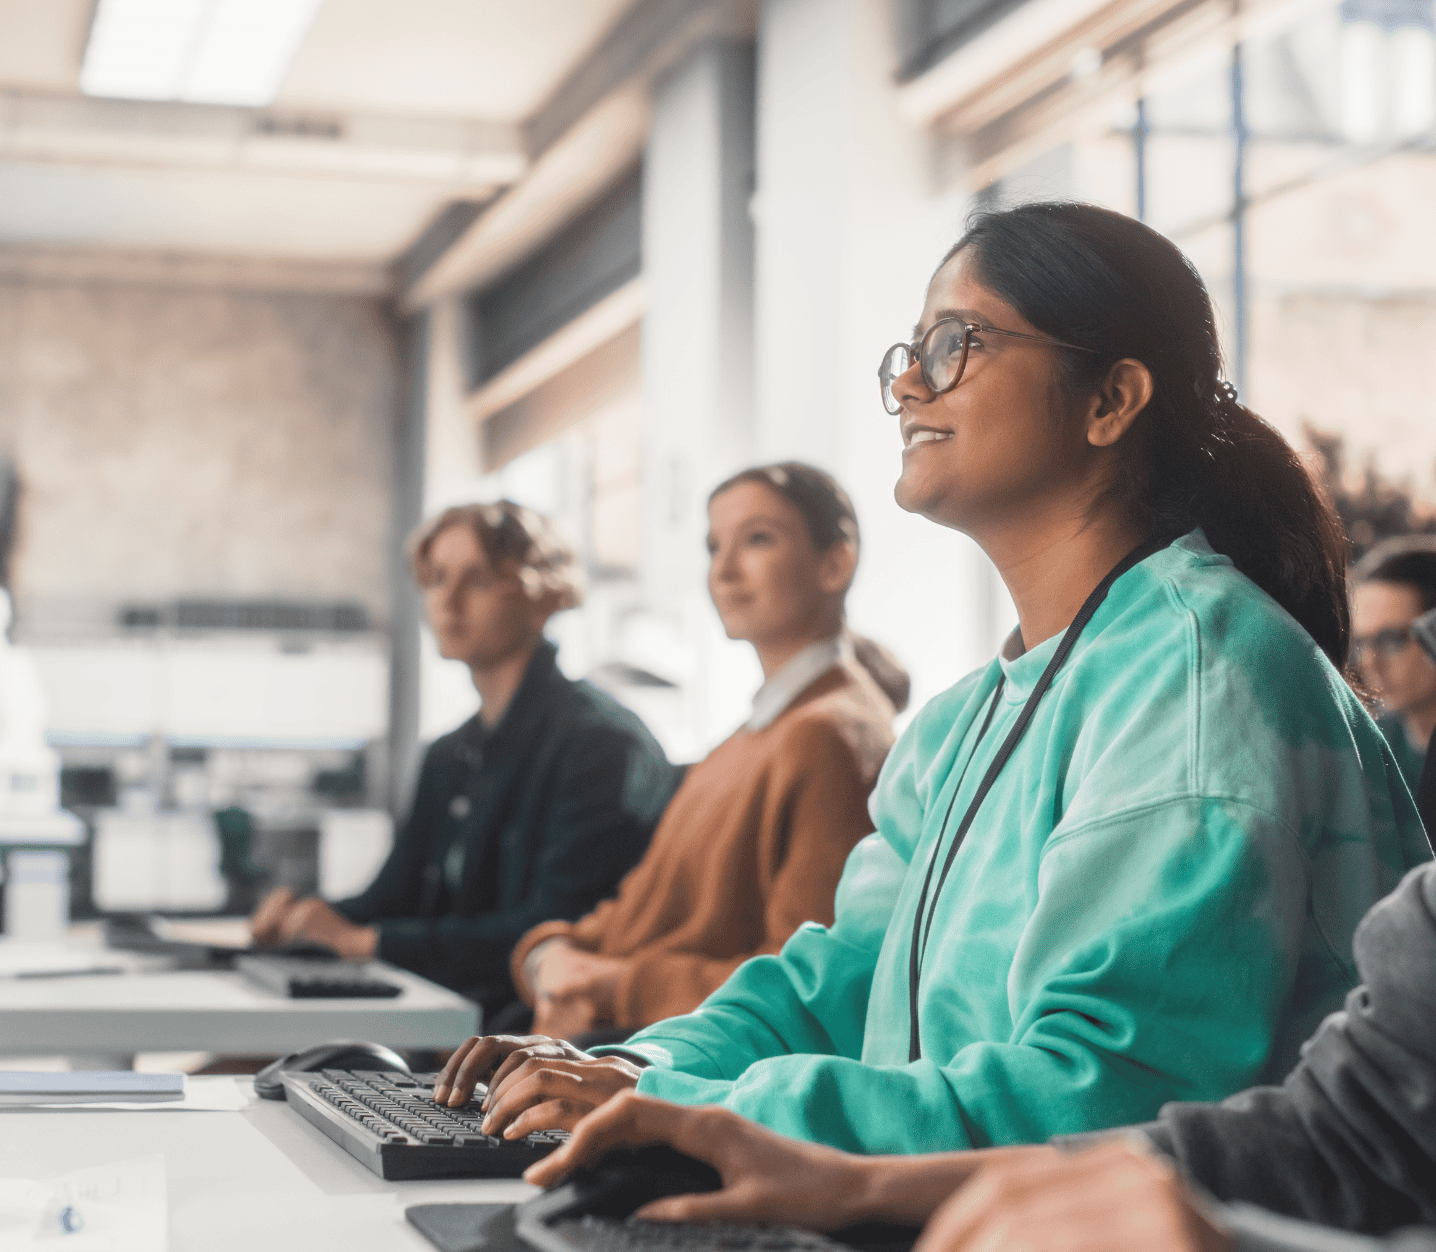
(537,1083)
(536,1090)
(767,1178)
(481,1055)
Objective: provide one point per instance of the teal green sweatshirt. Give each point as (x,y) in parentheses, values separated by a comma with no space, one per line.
(1155,903)
(1410,759)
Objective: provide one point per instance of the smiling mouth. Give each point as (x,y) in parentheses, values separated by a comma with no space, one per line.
(924,434)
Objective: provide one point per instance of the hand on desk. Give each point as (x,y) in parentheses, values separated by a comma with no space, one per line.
(280,918)
(537,1084)
(573,990)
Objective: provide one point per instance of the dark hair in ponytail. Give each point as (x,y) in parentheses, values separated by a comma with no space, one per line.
(829,517)
(1195,456)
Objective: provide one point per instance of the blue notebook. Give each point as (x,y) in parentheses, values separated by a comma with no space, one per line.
(88,1087)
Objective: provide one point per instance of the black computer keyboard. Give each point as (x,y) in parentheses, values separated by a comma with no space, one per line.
(609,1234)
(305,979)
(389,1122)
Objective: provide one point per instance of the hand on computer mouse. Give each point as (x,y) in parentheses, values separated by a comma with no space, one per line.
(767,1178)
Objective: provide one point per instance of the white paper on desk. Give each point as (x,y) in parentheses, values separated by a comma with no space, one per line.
(122,1206)
(27,958)
(208,1093)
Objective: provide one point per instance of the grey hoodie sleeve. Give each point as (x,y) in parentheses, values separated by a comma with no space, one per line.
(1255,1230)
(1349,1140)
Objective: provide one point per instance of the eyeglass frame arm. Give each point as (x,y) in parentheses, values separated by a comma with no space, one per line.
(915,350)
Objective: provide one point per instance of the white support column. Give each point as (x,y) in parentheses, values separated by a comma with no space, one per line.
(697,375)
(697,332)
(451,475)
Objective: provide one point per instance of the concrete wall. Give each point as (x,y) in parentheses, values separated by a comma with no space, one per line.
(178,441)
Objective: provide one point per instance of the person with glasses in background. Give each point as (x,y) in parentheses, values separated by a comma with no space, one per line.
(532,809)
(1122,863)
(1394,584)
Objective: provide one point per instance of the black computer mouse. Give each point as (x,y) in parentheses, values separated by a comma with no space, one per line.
(615,1185)
(337,1054)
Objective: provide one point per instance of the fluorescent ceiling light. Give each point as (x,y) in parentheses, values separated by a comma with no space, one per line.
(203,51)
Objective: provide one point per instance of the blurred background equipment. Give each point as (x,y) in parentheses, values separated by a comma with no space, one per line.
(36,838)
(277,280)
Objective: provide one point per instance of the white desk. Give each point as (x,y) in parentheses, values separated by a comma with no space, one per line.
(58,829)
(263,1180)
(177,1011)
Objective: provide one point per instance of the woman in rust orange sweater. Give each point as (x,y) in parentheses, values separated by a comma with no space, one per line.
(753,842)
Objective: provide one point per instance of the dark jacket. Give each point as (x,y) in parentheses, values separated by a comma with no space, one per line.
(537,818)
(1349,1139)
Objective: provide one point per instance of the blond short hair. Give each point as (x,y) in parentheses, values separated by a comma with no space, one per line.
(511,536)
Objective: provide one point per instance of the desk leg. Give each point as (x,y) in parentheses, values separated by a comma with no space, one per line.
(101,1060)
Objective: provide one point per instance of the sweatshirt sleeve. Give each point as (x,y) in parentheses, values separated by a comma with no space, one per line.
(820,815)
(587,831)
(1255,1230)
(391,892)
(1114,1006)
(1349,1139)
(810,997)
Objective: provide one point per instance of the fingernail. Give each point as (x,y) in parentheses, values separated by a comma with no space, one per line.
(440,1094)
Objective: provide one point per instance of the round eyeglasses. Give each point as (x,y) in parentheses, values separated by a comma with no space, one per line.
(942,353)
(1388,643)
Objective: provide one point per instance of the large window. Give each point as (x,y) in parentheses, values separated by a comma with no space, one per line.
(1293,158)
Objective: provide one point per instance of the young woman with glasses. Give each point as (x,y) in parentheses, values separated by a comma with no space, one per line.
(1122,863)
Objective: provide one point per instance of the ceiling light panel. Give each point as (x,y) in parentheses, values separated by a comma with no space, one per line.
(202,51)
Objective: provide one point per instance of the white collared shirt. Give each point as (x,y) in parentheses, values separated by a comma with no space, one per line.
(796,676)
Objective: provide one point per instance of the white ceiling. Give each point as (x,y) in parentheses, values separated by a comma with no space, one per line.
(230,212)
(435,59)
(472,58)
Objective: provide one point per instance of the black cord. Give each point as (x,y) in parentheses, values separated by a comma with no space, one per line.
(921,928)
(914,954)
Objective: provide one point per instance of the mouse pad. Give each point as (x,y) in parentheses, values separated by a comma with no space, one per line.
(468,1227)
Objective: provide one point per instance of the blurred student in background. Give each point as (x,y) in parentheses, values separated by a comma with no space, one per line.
(754,841)
(532,809)
(1122,863)
(1394,584)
